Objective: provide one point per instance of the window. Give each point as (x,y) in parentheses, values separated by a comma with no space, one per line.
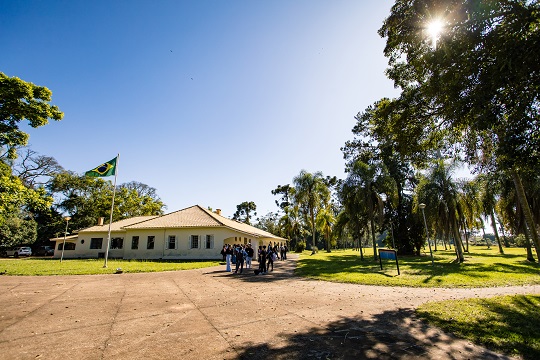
(150,243)
(209,242)
(96,243)
(134,242)
(117,243)
(69,246)
(194,241)
(171,244)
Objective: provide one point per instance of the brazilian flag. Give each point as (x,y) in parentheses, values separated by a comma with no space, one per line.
(105,169)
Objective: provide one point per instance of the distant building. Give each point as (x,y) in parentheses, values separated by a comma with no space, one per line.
(191,233)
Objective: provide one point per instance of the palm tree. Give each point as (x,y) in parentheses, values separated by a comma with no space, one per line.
(325,222)
(311,192)
(352,215)
(368,182)
(290,223)
(512,214)
(489,190)
(469,200)
(439,192)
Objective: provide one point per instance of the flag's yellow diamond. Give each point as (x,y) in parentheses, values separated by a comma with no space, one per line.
(103,168)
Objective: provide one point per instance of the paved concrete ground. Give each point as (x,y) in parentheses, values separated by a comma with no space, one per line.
(211,314)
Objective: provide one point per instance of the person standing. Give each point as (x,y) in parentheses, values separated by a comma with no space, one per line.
(240,254)
(228,255)
(270,257)
(249,256)
(223,253)
(262,260)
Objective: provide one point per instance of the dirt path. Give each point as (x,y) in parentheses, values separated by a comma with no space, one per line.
(211,314)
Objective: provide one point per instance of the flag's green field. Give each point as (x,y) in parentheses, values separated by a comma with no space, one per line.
(33,266)
(482,268)
(509,324)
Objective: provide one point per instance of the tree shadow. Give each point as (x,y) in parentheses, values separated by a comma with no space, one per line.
(510,326)
(395,334)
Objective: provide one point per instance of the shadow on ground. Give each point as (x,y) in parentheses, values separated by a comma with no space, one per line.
(391,335)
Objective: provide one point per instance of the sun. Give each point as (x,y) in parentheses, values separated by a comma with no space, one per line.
(434,29)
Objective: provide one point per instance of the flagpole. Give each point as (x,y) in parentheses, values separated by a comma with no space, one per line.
(112,208)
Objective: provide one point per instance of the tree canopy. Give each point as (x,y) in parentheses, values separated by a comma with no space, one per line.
(21,100)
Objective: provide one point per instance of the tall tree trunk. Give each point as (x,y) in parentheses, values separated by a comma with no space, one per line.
(435,240)
(358,236)
(464,226)
(361,248)
(372,223)
(447,233)
(484,232)
(457,242)
(526,211)
(328,241)
(494,224)
(502,229)
(530,256)
(312,214)
(442,236)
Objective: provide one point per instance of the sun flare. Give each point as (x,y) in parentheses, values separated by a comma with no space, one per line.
(434,29)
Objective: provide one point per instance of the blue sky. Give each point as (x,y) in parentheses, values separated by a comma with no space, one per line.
(210,102)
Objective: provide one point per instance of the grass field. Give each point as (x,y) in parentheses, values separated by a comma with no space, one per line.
(482,268)
(509,324)
(34,266)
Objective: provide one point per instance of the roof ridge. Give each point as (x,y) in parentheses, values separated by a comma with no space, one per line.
(212,214)
(153,217)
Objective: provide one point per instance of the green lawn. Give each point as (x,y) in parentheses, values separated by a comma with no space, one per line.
(482,268)
(508,324)
(34,266)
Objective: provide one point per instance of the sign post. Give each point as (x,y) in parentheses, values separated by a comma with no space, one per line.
(389,255)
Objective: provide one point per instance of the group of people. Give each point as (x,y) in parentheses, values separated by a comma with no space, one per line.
(240,254)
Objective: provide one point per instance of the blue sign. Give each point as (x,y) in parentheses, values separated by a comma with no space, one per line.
(388,255)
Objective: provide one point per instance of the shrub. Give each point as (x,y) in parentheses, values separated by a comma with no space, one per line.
(300,246)
(520,240)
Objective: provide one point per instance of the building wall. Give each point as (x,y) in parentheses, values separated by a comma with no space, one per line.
(182,246)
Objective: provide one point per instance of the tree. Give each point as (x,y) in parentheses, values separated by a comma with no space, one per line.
(439,192)
(290,223)
(375,144)
(36,170)
(370,182)
(86,199)
(477,89)
(21,100)
(286,193)
(488,201)
(311,193)
(244,210)
(17,205)
(269,223)
(142,190)
(16,231)
(325,222)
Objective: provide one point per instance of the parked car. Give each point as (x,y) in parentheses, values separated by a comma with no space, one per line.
(44,251)
(19,251)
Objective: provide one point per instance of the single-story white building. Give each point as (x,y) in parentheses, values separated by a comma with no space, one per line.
(191,233)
